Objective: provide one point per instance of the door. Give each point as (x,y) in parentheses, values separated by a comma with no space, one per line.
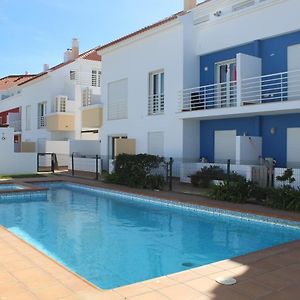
(226,80)
(294,72)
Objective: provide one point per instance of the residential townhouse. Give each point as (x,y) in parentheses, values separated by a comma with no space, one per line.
(61,103)
(218,81)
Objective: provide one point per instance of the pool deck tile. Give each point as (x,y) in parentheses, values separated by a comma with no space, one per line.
(270,274)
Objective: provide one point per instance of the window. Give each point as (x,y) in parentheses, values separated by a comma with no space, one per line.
(42,111)
(28,117)
(96,78)
(60,104)
(1,121)
(118,100)
(156,143)
(72,75)
(86,97)
(156,103)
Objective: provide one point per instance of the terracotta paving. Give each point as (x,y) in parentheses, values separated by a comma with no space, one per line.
(271,274)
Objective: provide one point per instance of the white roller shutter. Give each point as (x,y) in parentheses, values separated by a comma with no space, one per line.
(118,100)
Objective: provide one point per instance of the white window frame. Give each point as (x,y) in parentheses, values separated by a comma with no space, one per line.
(60,104)
(156,99)
(72,75)
(96,78)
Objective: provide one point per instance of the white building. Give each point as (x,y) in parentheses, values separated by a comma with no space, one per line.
(214,82)
(59,104)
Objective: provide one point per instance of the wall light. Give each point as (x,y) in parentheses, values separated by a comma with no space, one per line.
(273,130)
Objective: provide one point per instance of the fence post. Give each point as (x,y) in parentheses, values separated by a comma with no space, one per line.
(228,171)
(171,174)
(38,162)
(97,167)
(52,163)
(73,164)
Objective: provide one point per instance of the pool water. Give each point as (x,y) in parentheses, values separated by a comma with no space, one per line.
(114,240)
(11,187)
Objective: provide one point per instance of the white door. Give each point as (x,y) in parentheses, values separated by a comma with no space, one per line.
(226,79)
(225,146)
(293,147)
(294,72)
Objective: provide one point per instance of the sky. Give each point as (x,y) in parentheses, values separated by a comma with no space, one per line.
(35,32)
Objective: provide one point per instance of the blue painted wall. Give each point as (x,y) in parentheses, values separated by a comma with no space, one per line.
(273,52)
(273,145)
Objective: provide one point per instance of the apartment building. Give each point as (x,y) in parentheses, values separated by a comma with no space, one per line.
(218,81)
(59,104)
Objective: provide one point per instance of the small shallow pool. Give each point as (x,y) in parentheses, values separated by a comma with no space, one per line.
(11,187)
(114,239)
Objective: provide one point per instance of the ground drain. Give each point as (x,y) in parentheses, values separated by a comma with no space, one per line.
(188,264)
(226,280)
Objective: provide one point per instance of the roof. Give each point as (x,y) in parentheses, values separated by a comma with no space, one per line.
(13,80)
(144,29)
(88,55)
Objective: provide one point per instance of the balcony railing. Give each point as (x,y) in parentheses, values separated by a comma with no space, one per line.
(156,104)
(270,88)
(210,96)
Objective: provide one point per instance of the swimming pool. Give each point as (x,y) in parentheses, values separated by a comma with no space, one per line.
(11,187)
(115,239)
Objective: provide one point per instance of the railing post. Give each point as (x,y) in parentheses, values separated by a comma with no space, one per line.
(38,162)
(171,174)
(73,164)
(228,171)
(52,163)
(97,167)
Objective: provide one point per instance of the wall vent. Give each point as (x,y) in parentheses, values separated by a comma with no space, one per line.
(243,5)
(201,20)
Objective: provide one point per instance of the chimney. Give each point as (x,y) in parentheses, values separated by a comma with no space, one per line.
(45,67)
(68,55)
(75,48)
(26,72)
(189,4)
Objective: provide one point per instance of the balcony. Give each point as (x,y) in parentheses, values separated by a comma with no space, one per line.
(62,117)
(273,92)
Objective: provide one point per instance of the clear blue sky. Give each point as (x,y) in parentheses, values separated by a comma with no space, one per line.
(34,32)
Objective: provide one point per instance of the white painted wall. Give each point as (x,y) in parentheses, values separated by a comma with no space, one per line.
(91,148)
(11,162)
(248,150)
(268,18)
(162,49)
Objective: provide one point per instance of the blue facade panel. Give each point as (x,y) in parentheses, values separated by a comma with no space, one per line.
(272,51)
(274,145)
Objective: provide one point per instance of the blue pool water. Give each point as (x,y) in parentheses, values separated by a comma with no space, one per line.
(114,240)
(10,187)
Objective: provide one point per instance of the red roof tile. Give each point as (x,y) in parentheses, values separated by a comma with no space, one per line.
(13,80)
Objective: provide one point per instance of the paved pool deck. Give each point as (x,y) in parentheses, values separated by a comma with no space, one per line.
(271,274)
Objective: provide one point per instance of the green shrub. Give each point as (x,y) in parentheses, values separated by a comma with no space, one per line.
(237,192)
(204,177)
(285,197)
(288,176)
(136,171)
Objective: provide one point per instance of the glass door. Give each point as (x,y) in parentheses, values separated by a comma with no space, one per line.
(226,80)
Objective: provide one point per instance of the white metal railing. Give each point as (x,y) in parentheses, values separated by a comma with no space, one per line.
(271,88)
(156,104)
(209,96)
(42,121)
(277,87)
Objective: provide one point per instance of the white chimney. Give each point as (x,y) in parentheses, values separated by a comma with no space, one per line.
(189,4)
(75,48)
(45,67)
(68,55)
